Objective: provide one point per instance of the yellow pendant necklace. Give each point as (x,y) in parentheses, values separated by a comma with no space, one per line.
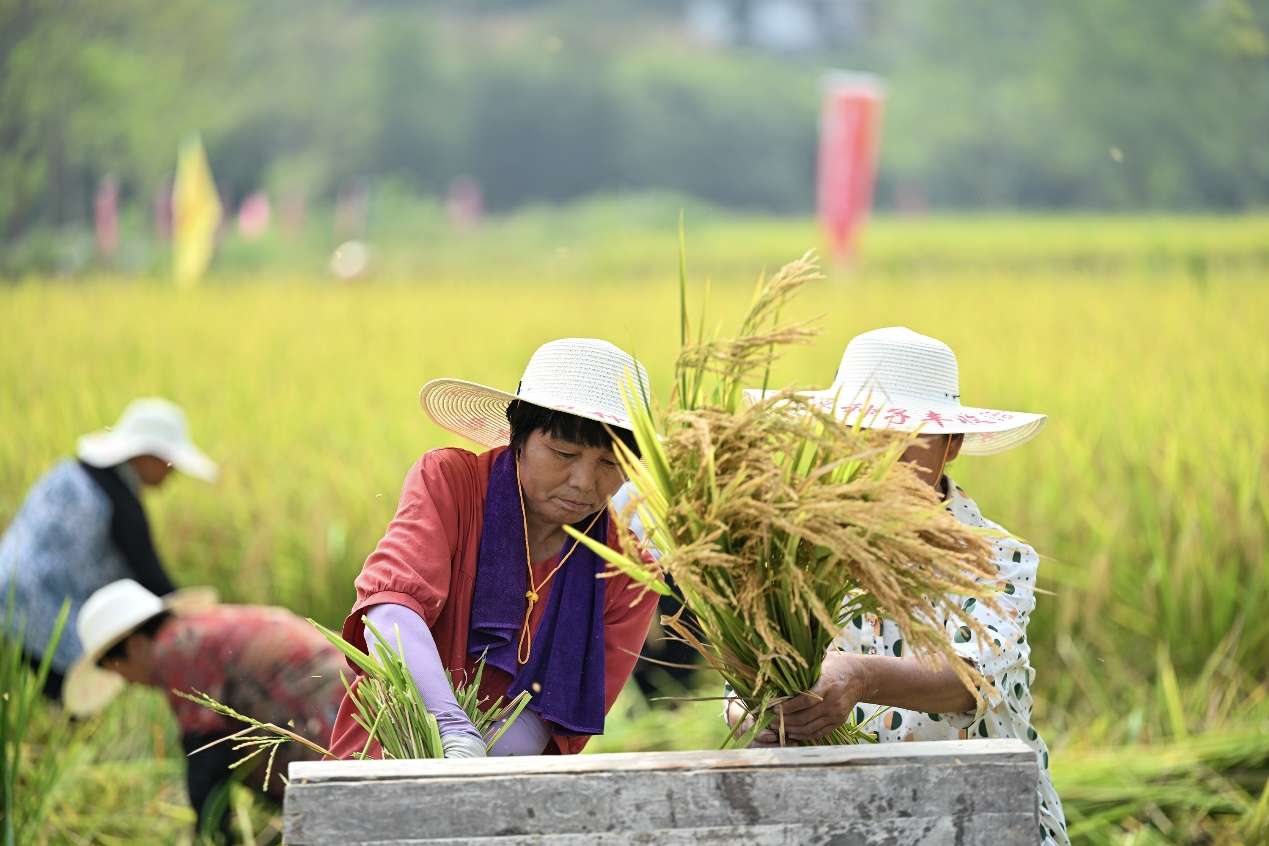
(525,647)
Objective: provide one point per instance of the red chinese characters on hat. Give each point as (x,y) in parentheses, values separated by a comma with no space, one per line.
(605,416)
(896,416)
(870,411)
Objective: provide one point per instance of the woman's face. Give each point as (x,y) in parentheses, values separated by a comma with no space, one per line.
(931,454)
(564,481)
(150,469)
(137,661)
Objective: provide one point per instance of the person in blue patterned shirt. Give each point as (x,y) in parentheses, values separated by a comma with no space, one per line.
(83,525)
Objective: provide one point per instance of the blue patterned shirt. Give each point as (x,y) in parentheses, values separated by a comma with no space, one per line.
(58,547)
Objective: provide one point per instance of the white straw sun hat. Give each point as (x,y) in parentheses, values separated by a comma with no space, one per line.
(579,376)
(107,617)
(148,427)
(898,379)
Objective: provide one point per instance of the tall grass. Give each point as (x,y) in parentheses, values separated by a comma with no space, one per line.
(1147,493)
(29,771)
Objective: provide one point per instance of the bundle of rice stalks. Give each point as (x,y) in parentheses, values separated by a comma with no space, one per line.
(777,523)
(391,710)
(388,705)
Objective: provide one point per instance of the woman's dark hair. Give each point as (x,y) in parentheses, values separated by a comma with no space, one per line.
(526,418)
(149,628)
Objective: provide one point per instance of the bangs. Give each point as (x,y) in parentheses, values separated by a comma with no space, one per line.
(526,418)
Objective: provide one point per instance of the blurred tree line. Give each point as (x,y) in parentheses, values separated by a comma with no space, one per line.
(1121,104)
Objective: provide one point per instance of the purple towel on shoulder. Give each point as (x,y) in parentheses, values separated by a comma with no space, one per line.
(565,672)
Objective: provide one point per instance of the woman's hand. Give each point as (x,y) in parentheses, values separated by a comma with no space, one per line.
(812,715)
(736,714)
(847,678)
(740,719)
(462,745)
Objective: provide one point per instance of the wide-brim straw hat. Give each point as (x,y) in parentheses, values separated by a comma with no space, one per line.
(106,618)
(585,377)
(897,379)
(148,426)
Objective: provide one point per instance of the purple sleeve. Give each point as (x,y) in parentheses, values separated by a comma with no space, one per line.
(528,735)
(424,662)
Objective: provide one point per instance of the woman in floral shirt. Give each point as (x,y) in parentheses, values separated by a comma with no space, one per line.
(895,378)
(262,661)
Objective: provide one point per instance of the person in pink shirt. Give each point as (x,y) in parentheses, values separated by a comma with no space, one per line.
(262,661)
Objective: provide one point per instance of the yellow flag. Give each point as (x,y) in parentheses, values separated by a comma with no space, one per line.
(195,214)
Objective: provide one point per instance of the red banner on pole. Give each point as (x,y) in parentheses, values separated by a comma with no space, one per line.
(850,136)
(106,217)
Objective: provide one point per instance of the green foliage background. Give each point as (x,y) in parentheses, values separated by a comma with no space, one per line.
(1113,104)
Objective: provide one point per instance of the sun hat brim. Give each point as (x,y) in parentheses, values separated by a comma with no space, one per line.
(987,431)
(108,448)
(89,688)
(193,462)
(479,412)
(475,411)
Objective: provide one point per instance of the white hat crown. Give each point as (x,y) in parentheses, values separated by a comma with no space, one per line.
(114,611)
(896,362)
(149,426)
(155,420)
(585,377)
(582,376)
(897,379)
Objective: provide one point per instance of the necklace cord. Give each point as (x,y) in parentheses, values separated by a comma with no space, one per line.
(524,649)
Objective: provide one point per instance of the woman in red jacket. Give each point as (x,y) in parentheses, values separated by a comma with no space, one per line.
(476,561)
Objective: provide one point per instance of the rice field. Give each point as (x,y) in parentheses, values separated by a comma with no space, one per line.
(1148,492)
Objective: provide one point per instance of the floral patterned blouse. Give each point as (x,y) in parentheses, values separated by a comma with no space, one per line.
(1004,708)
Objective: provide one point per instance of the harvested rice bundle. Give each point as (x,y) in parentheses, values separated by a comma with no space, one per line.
(778,524)
(388,705)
